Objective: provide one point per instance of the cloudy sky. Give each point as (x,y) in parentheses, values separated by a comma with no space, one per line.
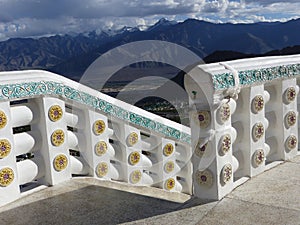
(33,18)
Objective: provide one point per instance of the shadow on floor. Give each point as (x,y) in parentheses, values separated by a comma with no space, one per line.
(92,205)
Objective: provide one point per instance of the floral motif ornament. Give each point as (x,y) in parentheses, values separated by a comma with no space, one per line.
(226,143)
(132,138)
(60,162)
(102,169)
(101,148)
(258,131)
(204,178)
(5,148)
(291,142)
(258,103)
(224,113)
(170,184)
(169,166)
(204,118)
(290,94)
(135,176)
(99,127)
(226,173)
(291,118)
(134,158)
(168,149)
(58,137)
(55,113)
(201,151)
(3,119)
(258,157)
(6,176)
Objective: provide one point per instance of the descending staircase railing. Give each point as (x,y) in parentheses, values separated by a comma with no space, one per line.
(52,128)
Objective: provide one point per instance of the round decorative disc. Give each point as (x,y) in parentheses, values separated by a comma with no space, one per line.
(258,157)
(102,169)
(258,131)
(60,162)
(3,119)
(224,112)
(170,184)
(200,151)
(132,138)
(169,166)
(6,176)
(258,103)
(291,118)
(226,143)
(135,176)
(168,149)
(204,177)
(291,142)
(203,118)
(55,113)
(99,127)
(290,94)
(5,148)
(226,173)
(134,158)
(58,137)
(101,148)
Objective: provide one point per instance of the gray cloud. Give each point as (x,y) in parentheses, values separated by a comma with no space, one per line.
(46,17)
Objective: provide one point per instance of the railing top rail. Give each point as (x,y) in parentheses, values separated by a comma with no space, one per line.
(31,83)
(251,71)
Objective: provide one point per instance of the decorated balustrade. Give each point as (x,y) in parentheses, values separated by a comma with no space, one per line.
(244,119)
(52,128)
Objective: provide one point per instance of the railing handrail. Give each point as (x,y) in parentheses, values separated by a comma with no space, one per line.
(24,81)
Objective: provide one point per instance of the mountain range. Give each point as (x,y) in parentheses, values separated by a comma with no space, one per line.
(70,55)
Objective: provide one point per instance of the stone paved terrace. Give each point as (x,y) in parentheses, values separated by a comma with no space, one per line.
(272,197)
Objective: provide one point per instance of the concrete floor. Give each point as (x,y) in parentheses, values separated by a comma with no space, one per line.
(270,198)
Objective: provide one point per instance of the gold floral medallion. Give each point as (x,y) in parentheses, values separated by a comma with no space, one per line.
(5,148)
(169,166)
(168,149)
(102,169)
(132,138)
(258,131)
(135,176)
(6,176)
(134,158)
(291,118)
(3,119)
(58,137)
(258,157)
(101,148)
(224,112)
(226,173)
(291,142)
(99,127)
(55,113)
(258,103)
(170,184)
(60,162)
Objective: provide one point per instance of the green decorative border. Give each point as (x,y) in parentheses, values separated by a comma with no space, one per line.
(33,89)
(256,76)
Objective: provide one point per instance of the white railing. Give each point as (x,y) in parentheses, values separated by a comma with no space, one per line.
(52,128)
(243,120)
(243,117)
